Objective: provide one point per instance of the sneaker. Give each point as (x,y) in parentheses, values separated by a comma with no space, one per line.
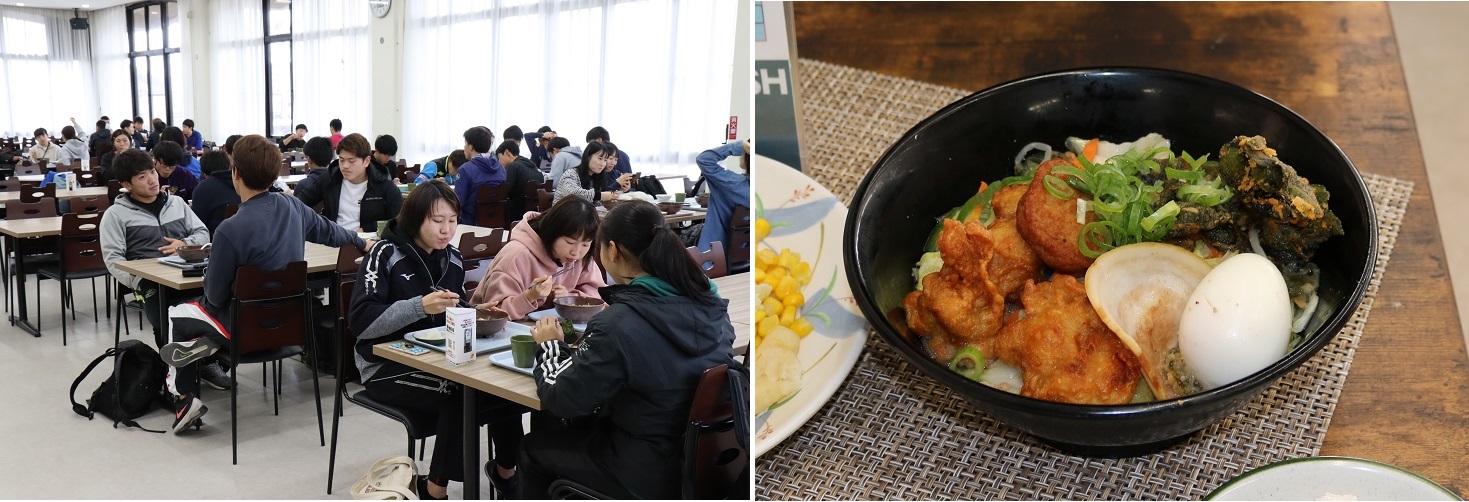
(509,489)
(186,412)
(180,354)
(215,375)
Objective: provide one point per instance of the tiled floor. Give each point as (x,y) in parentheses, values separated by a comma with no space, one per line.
(1432,39)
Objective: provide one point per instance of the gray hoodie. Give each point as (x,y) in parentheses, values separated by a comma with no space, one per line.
(75,151)
(130,232)
(568,158)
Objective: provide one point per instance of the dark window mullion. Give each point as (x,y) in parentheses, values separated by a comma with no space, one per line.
(133,66)
(167,68)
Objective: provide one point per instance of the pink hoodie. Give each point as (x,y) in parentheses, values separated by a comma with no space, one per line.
(522,260)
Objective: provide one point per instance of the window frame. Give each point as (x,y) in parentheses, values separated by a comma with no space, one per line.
(133,55)
(290,48)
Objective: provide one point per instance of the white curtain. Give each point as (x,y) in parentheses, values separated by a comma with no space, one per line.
(110,65)
(332,65)
(45,73)
(655,73)
(237,68)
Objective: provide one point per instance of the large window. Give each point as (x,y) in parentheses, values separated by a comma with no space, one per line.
(153,42)
(45,72)
(278,67)
(655,73)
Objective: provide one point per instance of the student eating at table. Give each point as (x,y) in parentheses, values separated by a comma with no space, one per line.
(176,135)
(269,231)
(586,179)
(144,222)
(354,193)
(121,142)
(319,155)
(482,170)
(214,195)
(44,149)
(445,168)
(519,172)
(635,369)
(547,257)
(405,284)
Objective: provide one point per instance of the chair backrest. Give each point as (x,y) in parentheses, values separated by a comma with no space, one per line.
(26,168)
(81,244)
(481,248)
(490,206)
(114,189)
(688,187)
(712,262)
(285,167)
(93,162)
(10,185)
(713,458)
(738,234)
(95,204)
(44,208)
(270,308)
(543,200)
(739,217)
(88,178)
(349,259)
(30,193)
(346,339)
(231,209)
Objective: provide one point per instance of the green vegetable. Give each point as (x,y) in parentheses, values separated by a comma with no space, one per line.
(968,362)
(929,263)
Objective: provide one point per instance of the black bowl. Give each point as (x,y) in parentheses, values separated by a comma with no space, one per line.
(940,162)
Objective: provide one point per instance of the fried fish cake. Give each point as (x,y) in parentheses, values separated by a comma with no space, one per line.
(1049,224)
(959,304)
(1065,351)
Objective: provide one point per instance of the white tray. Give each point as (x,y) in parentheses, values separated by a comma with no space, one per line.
(507,360)
(482,345)
(539,314)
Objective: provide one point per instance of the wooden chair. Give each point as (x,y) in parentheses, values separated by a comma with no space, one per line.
(32,252)
(419,425)
(95,204)
(114,189)
(285,167)
(272,322)
(489,208)
(712,262)
(738,234)
(543,200)
(79,257)
(29,192)
(713,457)
(94,162)
(476,249)
(29,169)
(88,178)
(10,185)
(230,210)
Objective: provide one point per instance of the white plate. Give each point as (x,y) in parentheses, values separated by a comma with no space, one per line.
(507,360)
(1330,478)
(809,220)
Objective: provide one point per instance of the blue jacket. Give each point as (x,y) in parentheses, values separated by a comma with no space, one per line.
(482,170)
(727,189)
(196,142)
(193,165)
(538,155)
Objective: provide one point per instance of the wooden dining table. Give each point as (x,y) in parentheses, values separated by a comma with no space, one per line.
(1406,401)
(483,376)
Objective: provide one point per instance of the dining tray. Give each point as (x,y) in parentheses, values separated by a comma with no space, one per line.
(892,433)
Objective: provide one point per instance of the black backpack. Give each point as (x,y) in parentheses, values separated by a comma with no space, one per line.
(133,390)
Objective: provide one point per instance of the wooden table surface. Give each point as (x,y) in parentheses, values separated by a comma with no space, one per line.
(32,227)
(487,377)
(319,258)
(14,196)
(1406,399)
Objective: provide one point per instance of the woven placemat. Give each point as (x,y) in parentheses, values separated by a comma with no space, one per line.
(892,433)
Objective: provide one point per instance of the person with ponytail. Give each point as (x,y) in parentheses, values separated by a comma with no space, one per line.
(634,371)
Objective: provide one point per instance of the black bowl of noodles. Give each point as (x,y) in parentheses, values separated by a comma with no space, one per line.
(937,165)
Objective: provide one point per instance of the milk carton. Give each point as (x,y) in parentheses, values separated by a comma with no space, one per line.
(459,341)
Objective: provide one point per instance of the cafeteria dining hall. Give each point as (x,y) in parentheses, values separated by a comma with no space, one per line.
(391,249)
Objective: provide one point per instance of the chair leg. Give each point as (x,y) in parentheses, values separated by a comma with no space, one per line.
(118,324)
(234,419)
(421,443)
(94,300)
(107,292)
(315,376)
(276,365)
(71,300)
(331,469)
(61,284)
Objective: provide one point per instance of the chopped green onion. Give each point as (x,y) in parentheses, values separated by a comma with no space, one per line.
(969,362)
(1058,187)
(1167,212)
(1204,195)
(1190,176)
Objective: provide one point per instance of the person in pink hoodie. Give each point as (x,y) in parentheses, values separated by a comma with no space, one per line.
(522,277)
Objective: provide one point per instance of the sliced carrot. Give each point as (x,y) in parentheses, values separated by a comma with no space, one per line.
(1071,157)
(1090,150)
(982,185)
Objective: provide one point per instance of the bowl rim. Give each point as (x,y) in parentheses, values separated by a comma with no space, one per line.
(974,390)
(578,299)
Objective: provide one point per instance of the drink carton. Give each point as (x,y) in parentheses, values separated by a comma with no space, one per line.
(459,346)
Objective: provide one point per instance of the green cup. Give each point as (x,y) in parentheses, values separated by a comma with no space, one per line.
(678,197)
(523,349)
(382,225)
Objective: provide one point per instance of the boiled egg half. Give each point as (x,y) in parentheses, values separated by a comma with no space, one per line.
(1237,321)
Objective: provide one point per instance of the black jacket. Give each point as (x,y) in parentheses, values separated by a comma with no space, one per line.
(99,143)
(212,196)
(637,368)
(381,201)
(518,174)
(387,300)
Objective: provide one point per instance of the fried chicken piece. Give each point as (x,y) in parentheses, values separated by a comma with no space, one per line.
(1006,201)
(1065,351)
(1014,263)
(959,304)
(1049,224)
